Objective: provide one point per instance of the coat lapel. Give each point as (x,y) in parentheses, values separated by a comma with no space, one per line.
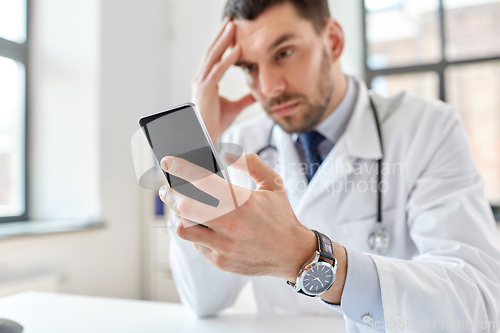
(288,166)
(332,173)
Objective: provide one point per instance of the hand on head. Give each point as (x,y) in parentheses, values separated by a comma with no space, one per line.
(218,112)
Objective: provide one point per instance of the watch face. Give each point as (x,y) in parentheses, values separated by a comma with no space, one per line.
(318,279)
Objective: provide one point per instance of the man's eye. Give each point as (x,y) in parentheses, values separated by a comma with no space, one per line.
(250,68)
(284,54)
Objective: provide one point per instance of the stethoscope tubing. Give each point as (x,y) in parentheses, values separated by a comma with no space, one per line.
(379,162)
(268,145)
(378,240)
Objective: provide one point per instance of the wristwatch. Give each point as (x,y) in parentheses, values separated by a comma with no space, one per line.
(318,276)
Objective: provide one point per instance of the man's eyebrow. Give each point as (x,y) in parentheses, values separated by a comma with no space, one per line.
(243,64)
(283,38)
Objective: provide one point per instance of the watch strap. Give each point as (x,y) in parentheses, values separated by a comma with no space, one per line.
(325,247)
(300,291)
(304,293)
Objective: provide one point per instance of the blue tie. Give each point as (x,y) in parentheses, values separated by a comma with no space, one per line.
(310,142)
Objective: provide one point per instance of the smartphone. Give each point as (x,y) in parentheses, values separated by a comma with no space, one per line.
(180,132)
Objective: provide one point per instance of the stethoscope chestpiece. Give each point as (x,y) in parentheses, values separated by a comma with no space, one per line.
(379,240)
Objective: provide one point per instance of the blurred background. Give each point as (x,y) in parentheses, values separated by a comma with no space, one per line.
(75,77)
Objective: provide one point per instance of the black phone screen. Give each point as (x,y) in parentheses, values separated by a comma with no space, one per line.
(178,132)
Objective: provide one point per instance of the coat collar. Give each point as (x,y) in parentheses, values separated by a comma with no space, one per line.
(361,135)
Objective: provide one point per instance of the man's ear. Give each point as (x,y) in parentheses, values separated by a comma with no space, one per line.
(334,38)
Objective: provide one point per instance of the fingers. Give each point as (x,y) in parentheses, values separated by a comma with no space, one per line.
(218,70)
(200,177)
(236,161)
(188,208)
(221,31)
(202,67)
(196,234)
(235,107)
(178,221)
(243,102)
(204,250)
(265,177)
(207,182)
(215,54)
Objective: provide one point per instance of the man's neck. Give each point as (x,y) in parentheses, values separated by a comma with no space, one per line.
(339,91)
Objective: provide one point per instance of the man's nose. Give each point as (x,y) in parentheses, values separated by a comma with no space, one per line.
(272,83)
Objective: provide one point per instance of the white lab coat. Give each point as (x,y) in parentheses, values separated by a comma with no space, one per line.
(444,258)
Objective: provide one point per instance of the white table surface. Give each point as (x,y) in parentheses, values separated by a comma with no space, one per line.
(62,313)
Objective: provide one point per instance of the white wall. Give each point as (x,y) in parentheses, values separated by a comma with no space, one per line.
(64,164)
(134,80)
(97,66)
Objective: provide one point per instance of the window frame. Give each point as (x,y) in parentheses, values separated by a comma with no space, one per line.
(439,68)
(20,53)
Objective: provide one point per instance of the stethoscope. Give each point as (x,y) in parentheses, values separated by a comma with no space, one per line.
(379,239)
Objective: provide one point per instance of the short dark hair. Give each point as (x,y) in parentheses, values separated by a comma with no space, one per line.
(316,11)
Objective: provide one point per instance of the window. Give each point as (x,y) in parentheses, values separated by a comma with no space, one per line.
(13,64)
(445,49)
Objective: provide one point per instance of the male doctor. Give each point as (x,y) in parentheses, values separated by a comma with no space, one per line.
(442,264)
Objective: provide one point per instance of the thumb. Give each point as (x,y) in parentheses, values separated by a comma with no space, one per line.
(265,177)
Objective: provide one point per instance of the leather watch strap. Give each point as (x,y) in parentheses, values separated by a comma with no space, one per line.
(300,291)
(303,293)
(324,245)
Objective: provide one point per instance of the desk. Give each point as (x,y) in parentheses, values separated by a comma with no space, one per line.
(61,313)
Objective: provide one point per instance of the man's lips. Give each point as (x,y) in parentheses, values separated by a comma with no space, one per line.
(284,109)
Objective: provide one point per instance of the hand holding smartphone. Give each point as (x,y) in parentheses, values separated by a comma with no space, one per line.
(180,132)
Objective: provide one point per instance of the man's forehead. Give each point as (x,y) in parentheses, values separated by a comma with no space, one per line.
(278,22)
(265,41)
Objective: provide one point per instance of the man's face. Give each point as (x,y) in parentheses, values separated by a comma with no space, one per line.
(288,67)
